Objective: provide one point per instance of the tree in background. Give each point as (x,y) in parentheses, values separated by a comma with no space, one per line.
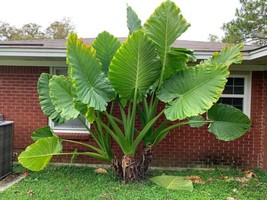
(33,31)
(213,38)
(250,25)
(60,29)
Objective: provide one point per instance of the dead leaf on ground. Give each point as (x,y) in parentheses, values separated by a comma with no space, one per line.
(211,180)
(107,196)
(195,179)
(249,174)
(101,171)
(231,198)
(29,192)
(242,180)
(226,178)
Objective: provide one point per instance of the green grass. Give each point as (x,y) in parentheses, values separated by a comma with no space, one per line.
(69,182)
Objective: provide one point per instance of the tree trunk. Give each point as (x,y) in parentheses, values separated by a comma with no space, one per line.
(129,170)
(145,161)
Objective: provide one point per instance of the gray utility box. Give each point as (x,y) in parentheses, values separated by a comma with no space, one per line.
(6,145)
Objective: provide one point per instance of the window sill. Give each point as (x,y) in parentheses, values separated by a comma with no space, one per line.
(73,135)
(70,131)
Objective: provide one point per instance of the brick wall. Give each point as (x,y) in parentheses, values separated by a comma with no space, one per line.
(183,147)
(19,101)
(187,147)
(264,98)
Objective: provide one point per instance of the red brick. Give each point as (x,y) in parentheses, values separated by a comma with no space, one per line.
(182,147)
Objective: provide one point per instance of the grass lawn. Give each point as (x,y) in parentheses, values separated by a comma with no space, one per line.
(69,182)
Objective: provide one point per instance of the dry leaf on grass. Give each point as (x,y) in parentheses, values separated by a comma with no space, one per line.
(249,174)
(29,192)
(195,179)
(242,180)
(211,180)
(226,178)
(107,196)
(101,171)
(235,190)
(231,198)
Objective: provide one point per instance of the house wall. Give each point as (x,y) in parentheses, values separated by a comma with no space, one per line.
(184,147)
(190,147)
(265,124)
(19,101)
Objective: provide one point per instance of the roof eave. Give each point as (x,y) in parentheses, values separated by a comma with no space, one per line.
(33,52)
(61,53)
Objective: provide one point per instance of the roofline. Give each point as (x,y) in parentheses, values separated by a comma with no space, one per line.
(61,53)
(33,52)
(256,53)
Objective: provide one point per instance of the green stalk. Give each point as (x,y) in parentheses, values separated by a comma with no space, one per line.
(123,116)
(120,140)
(146,109)
(141,115)
(152,137)
(99,128)
(86,145)
(165,131)
(95,137)
(145,130)
(94,155)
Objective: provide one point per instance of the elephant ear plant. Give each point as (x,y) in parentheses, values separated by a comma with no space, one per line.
(135,93)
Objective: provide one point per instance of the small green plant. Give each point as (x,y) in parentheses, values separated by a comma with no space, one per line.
(134,78)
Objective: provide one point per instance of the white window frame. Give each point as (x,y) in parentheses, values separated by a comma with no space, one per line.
(247,90)
(65,129)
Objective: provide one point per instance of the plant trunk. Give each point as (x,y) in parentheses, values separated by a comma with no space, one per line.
(129,170)
(145,161)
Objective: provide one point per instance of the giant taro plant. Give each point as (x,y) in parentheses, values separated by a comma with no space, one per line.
(133,78)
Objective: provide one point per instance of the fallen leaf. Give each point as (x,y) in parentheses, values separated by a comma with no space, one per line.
(195,179)
(173,182)
(29,192)
(249,174)
(226,178)
(107,196)
(211,180)
(241,180)
(235,190)
(231,198)
(101,171)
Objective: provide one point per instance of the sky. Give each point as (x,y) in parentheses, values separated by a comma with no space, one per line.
(90,17)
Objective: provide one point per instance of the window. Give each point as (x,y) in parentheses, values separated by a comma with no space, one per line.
(73,125)
(237,91)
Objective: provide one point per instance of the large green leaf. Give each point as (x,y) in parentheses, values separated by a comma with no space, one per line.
(164,26)
(229,122)
(45,100)
(43,132)
(177,59)
(192,91)
(228,55)
(135,66)
(133,22)
(85,110)
(92,86)
(38,155)
(62,98)
(173,182)
(106,46)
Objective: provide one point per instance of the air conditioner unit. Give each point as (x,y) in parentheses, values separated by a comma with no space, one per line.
(6,145)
